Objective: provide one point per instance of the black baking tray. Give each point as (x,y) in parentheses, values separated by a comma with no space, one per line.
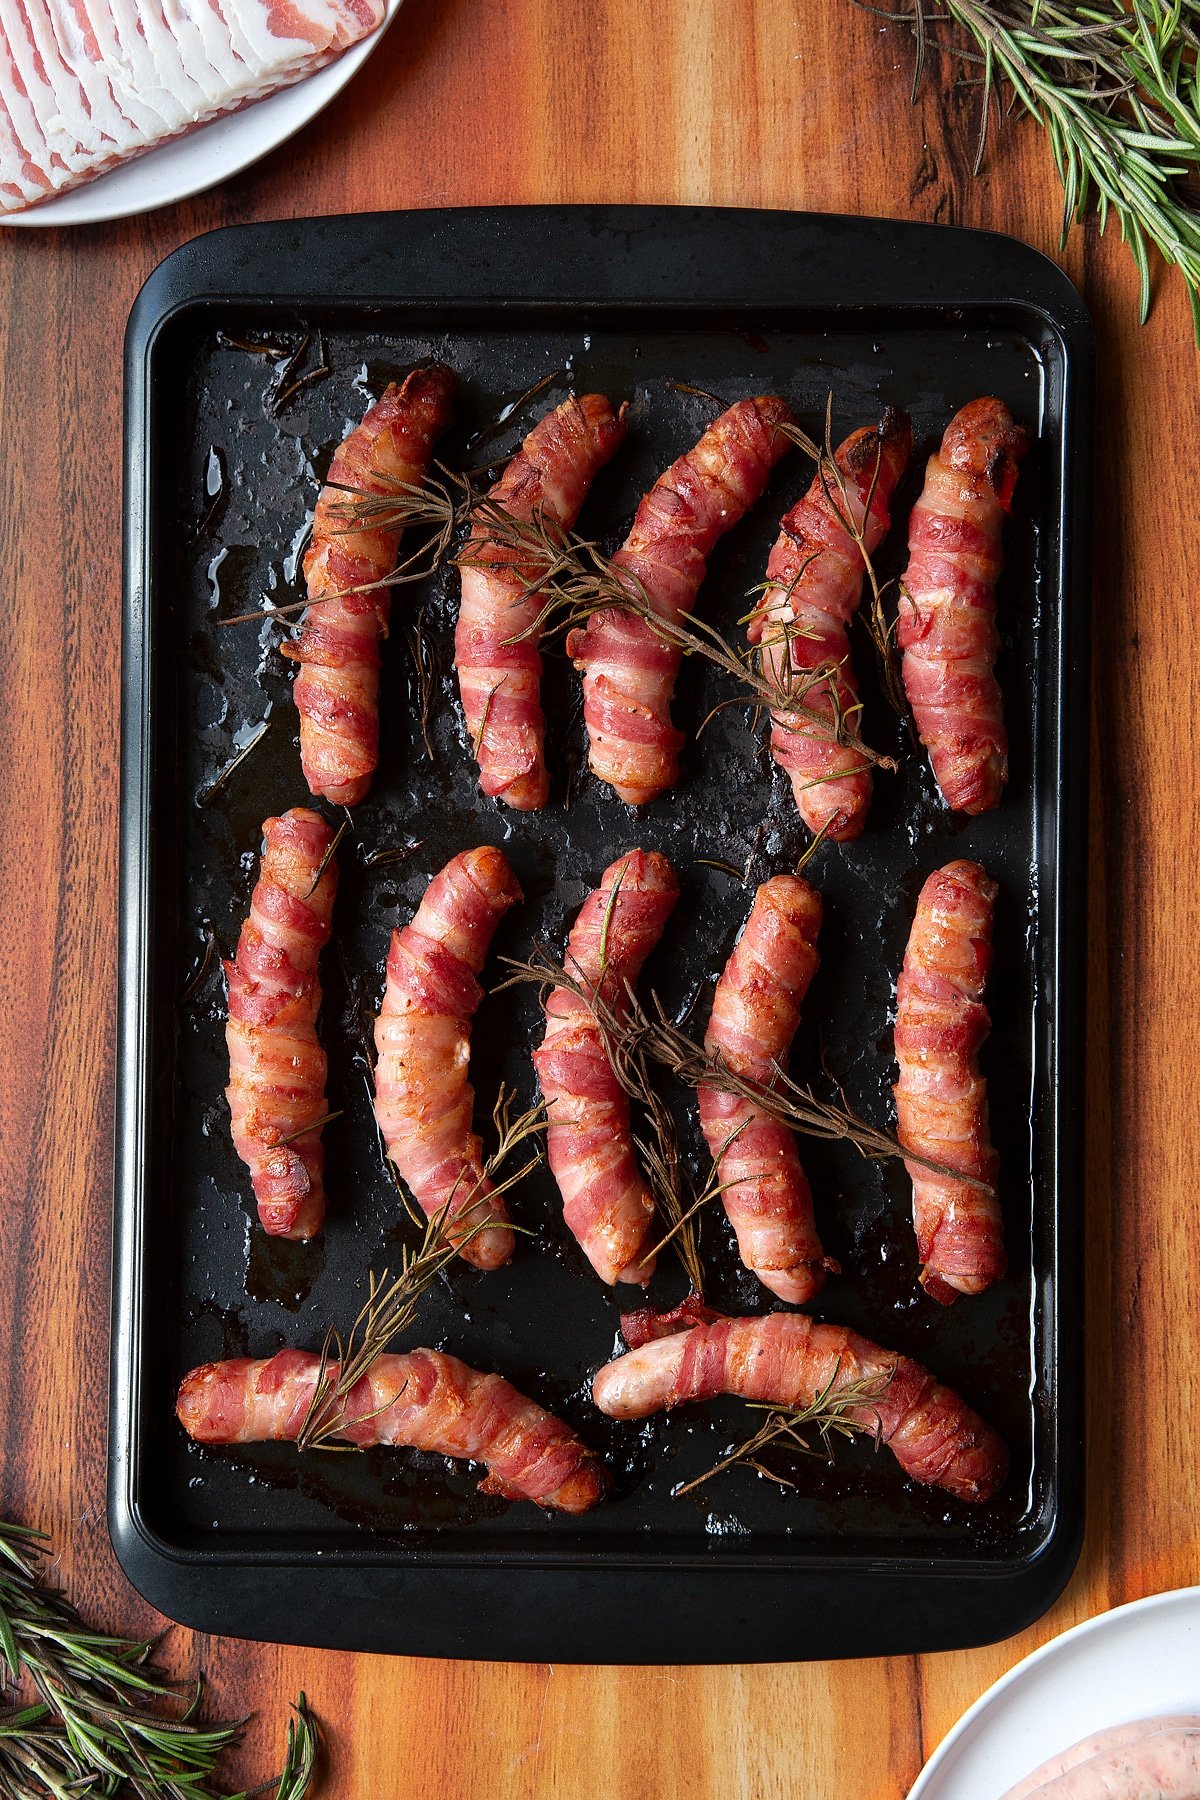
(393,1551)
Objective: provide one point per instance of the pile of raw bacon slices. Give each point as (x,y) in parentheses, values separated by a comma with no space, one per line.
(629,656)
(88,84)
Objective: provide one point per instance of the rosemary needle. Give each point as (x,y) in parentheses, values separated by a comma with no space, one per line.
(829,1414)
(1114,86)
(103,1718)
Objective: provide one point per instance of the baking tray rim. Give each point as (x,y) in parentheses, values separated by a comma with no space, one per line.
(138,1545)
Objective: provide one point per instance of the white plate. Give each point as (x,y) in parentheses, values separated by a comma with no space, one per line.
(210,154)
(1133,1663)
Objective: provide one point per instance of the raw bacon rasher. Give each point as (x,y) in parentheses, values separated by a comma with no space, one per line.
(499,679)
(629,672)
(756,1010)
(606,1203)
(88,84)
(337,687)
(947,627)
(787,1359)
(816,572)
(424,1400)
(276,1066)
(423,1097)
(941,1098)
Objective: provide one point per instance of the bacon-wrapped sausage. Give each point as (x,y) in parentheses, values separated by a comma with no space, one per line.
(941,1098)
(424,1400)
(423,1098)
(628,671)
(337,687)
(787,1359)
(499,680)
(276,1066)
(816,573)
(606,1203)
(756,1010)
(947,627)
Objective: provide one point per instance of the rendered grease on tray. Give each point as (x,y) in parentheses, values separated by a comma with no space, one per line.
(542,1321)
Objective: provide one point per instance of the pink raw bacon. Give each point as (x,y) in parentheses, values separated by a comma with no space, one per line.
(88,84)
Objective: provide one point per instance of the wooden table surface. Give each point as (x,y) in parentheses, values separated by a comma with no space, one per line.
(496,101)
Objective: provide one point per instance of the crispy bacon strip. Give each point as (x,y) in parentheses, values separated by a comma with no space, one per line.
(276,1066)
(606,1203)
(628,671)
(424,1400)
(941,1098)
(500,680)
(423,1098)
(816,572)
(756,1010)
(947,626)
(787,1359)
(337,687)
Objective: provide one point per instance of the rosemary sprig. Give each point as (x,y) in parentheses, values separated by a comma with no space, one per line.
(837,495)
(787,1100)
(657,1142)
(104,1719)
(830,1414)
(712,1189)
(300,1756)
(636,1036)
(1114,86)
(580,581)
(392,1300)
(389,1309)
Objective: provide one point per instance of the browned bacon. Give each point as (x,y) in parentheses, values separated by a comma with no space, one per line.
(628,671)
(424,1400)
(941,1098)
(816,574)
(787,1359)
(947,627)
(423,1098)
(276,1086)
(337,687)
(756,1010)
(499,678)
(606,1203)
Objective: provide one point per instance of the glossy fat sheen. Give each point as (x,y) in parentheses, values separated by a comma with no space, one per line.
(629,673)
(817,572)
(941,1098)
(424,1100)
(337,687)
(947,616)
(756,1009)
(606,1203)
(424,1400)
(787,1359)
(1104,1745)
(276,1065)
(499,679)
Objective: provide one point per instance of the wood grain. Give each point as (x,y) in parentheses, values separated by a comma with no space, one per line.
(496,101)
